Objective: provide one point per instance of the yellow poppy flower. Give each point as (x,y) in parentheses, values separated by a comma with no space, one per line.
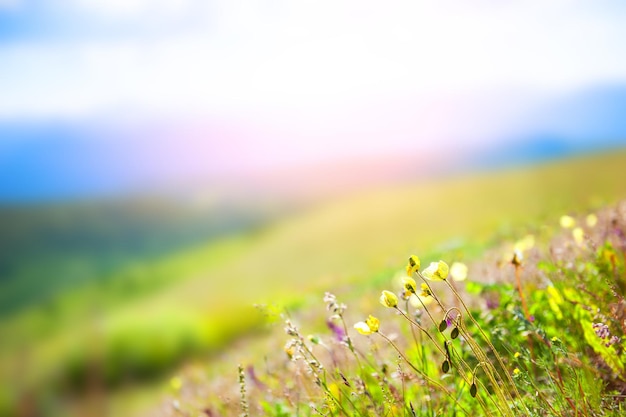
(579,235)
(363,328)
(436,271)
(413,266)
(419,300)
(458,271)
(373,323)
(176,383)
(388,299)
(592,220)
(409,284)
(567,222)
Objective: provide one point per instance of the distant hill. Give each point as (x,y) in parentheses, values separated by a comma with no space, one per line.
(588,121)
(55,161)
(47,249)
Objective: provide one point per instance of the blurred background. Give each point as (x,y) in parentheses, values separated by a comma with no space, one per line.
(165,164)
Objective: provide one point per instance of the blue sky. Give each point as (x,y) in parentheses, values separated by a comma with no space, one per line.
(79,58)
(297,82)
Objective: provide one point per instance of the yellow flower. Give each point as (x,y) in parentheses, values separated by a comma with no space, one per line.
(516,371)
(458,271)
(554,301)
(363,328)
(176,383)
(425,290)
(436,271)
(388,299)
(290,350)
(409,284)
(525,243)
(517,355)
(373,323)
(334,392)
(592,220)
(413,266)
(419,300)
(368,326)
(567,222)
(579,235)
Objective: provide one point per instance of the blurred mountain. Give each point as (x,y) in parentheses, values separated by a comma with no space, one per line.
(48,249)
(48,161)
(588,121)
(595,117)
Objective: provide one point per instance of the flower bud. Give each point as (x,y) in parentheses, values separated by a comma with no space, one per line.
(409,284)
(413,266)
(443,325)
(389,299)
(454,333)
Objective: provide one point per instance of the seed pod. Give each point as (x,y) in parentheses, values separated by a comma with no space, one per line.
(384,369)
(443,325)
(473,389)
(454,333)
(445,366)
(345,381)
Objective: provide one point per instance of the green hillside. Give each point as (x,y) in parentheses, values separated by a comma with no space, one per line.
(80,242)
(152,316)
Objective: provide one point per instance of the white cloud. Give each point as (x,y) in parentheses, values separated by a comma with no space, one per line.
(133,9)
(253,57)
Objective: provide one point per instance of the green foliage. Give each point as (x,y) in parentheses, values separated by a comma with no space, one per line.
(77,244)
(277,409)
(560,354)
(137,305)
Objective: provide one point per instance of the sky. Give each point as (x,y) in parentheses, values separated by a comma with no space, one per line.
(225,87)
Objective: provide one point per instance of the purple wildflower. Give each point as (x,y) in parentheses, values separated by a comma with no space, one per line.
(612,341)
(602,330)
(492,301)
(337,330)
(255,380)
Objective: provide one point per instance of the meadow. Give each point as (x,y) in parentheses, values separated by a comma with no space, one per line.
(537,332)
(168,335)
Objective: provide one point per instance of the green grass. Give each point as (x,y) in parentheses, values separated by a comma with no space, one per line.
(559,353)
(78,243)
(199,301)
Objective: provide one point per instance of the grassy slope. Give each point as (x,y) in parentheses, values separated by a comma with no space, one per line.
(77,243)
(208,298)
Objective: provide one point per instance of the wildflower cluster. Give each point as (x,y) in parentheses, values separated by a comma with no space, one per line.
(426,353)
(603,332)
(500,381)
